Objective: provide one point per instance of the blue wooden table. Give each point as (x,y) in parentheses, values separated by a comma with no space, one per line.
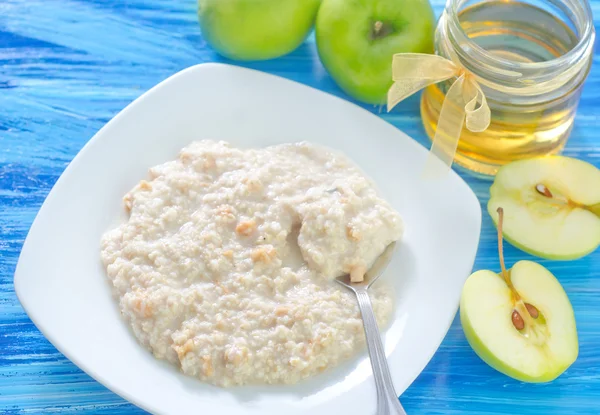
(67,67)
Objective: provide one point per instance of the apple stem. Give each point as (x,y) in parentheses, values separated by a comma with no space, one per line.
(381,30)
(505,273)
(528,311)
(377,27)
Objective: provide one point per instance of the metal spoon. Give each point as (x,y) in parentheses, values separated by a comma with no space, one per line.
(387,398)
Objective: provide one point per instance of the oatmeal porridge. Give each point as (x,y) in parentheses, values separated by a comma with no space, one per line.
(225,266)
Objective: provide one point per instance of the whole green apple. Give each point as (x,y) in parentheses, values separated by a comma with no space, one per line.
(256,29)
(356,40)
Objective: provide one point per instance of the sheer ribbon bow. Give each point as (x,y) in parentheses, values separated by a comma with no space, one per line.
(412,72)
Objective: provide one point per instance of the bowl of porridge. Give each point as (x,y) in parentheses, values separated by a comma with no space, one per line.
(226,264)
(185,258)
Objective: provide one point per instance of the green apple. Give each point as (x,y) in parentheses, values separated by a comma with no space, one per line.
(520,322)
(357,39)
(256,29)
(552,206)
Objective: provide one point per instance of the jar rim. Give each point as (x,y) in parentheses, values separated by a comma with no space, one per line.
(585,42)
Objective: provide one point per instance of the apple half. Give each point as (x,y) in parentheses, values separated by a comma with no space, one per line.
(551,205)
(520,321)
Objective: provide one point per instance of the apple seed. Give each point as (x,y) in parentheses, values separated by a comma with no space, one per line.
(517,320)
(543,190)
(533,312)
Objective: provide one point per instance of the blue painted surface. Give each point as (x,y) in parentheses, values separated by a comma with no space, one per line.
(67,67)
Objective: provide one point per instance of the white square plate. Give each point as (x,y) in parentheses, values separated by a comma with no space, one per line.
(62,285)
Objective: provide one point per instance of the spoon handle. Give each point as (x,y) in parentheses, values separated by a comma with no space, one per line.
(387,399)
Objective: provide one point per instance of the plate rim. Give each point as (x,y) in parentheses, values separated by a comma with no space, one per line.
(87,147)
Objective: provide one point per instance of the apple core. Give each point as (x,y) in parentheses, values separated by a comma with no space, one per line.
(524,314)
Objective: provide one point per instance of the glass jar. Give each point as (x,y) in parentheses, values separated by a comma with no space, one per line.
(531,59)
